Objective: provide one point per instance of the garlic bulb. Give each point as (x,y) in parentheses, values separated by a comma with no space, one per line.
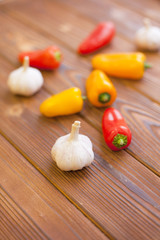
(73,151)
(25,80)
(148,37)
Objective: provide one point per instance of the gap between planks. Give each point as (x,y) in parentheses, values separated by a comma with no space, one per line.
(96,128)
(22,175)
(51,35)
(94,125)
(107,234)
(126,150)
(58,188)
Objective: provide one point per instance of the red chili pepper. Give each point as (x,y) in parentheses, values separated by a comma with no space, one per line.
(47,59)
(101,35)
(115,130)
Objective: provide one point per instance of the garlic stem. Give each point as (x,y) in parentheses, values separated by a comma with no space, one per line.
(75,131)
(25,63)
(147,23)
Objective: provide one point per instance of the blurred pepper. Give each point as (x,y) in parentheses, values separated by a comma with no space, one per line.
(67,102)
(121,65)
(101,35)
(100,90)
(47,59)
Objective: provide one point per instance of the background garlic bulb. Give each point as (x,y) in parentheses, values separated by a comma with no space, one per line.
(25,80)
(148,37)
(73,151)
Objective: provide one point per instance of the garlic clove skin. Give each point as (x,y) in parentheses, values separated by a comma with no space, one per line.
(25,80)
(148,37)
(72,156)
(73,151)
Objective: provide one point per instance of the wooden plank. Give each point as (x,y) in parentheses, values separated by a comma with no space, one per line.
(32,208)
(2,2)
(117,193)
(151,9)
(74,26)
(73,72)
(42,215)
(97,11)
(115,11)
(15,223)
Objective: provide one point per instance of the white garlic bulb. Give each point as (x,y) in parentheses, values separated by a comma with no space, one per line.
(73,151)
(25,80)
(148,37)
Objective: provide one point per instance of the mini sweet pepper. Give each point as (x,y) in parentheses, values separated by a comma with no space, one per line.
(100,90)
(116,133)
(45,59)
(66,102)
(121,65)
(99,37)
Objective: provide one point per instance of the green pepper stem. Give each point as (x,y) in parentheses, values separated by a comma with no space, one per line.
(104,97)
(120,140)
(147,65)
(84,97)
(57,56)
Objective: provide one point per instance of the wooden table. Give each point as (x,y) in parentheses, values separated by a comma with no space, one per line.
(118,196)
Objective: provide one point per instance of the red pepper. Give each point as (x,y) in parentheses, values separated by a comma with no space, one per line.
(115,130)
(101,35)
(47,59)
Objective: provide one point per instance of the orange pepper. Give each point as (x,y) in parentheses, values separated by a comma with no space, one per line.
(100,90)
(121,65)
(67,102)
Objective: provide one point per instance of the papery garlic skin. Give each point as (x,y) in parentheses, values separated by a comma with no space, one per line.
(148,37)
(73,151)
(25,80)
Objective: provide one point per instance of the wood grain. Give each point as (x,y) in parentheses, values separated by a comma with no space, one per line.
(14,221)
(98,11)
(115,179)
(117,12)
(150,11)
(32,208)
(140,113)
(117,193)
(84,21)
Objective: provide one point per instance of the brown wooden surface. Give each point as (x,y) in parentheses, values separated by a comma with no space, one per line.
(118,196)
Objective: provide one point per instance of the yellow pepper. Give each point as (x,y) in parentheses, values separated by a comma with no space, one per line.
(121,65)
(100,90)
(64,103)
